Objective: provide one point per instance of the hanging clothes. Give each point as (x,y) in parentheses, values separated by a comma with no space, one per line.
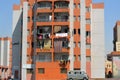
(58,46)
(47,44)
(57,28)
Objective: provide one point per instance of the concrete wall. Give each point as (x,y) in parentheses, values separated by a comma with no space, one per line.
(116,66)
(6,53)
(71,36)
(97,44)
(1,52)
(83,36)
(24,39)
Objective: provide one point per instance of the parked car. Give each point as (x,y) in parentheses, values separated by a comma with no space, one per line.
(77,74)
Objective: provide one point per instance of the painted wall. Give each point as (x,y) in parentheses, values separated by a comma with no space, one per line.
(97,44)
(1,52)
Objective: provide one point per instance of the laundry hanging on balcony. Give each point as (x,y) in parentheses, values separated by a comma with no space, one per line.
(47,44)
(57,28)
(57,46)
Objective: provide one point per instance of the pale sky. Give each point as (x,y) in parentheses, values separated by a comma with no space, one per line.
(112,14)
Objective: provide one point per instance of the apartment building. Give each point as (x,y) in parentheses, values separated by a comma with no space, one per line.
(51,37)
(116,53)
(5,57)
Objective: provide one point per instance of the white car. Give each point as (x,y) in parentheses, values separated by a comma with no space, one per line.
(77,74)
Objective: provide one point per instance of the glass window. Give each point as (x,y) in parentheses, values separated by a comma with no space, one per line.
(28,32)
(79,18)
(79,44)
(74,44)
(74,57)
(63,70)
(87,9)
(79,58)
(88,21)
(28,44)
(28,19)
(41,70)
(74,18)
(74,31)
(88,58)
(74,5)
(29,71)
(78,5)
(78,31)
(88,46)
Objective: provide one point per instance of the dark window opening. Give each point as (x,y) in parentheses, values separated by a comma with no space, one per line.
(78,31)
(41,70)
(63,70)
(74,31)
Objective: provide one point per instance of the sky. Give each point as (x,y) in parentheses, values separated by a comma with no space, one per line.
(111,10)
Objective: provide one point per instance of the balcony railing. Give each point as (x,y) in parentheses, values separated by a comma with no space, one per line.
(43,5)
(62,4)
(61,19)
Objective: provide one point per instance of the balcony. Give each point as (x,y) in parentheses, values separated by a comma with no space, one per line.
(61,17)
(61,31)
(44,17)
(43,38)
(62,58)
(44,57)
(61,4)
(61,45)
(44,5)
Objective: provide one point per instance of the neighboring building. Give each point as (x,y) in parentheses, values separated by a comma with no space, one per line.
(51,37)
(5,58)
(116,53)
(108,66)
(116,36)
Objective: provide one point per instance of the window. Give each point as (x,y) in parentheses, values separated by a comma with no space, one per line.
(28,6)
(78,31)
(32,44)
(88,46)
(28,31)
(29,71)
(28,44)
(16,74)
(87,9)
(74,57)
(79,45)
(74,18)
(28,19)
(79,58)
(88,58)
(41,58)
(79,18)
(74,44)
(78,5)
(41,70)
(74,5)
(74,31)
(88,21)
(63,70)
(87,33)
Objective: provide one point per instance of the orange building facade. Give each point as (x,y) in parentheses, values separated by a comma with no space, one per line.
(52,37)
(5,58)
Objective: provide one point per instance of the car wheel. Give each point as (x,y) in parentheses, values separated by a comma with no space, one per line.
(85,78)
(70,79)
